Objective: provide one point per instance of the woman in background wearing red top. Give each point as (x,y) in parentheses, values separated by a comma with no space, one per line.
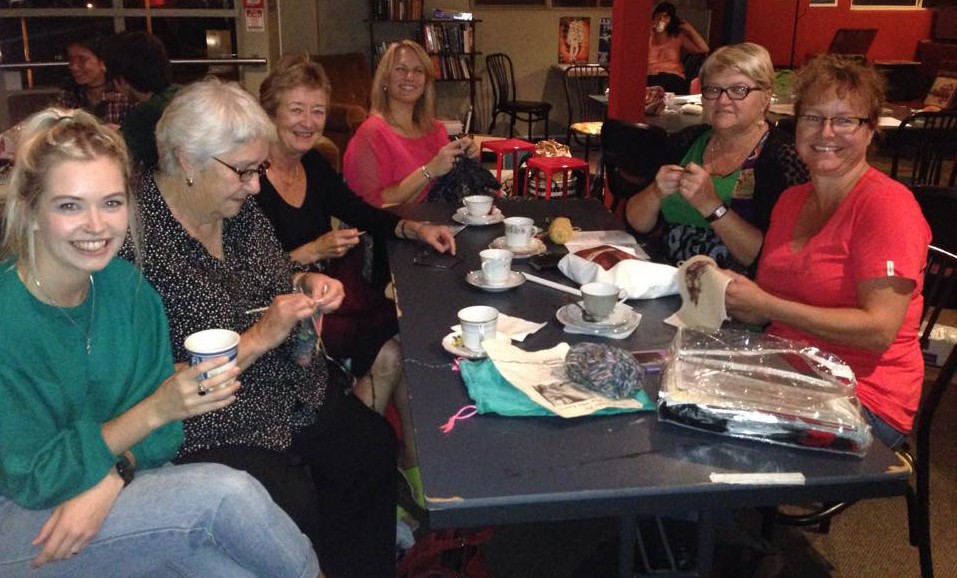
(843,259)
(670,37)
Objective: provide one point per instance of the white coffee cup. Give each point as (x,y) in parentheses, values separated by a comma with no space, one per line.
(212,343)
(478,324)
(518,232)
(478,205)
(600,299)
(496,265)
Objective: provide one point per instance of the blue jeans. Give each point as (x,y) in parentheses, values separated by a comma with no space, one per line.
(884,431)
(190,520)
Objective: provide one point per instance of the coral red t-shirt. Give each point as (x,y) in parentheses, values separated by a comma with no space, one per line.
(877,231)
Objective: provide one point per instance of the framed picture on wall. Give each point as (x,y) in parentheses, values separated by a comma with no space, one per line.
(943,90)
(574,33)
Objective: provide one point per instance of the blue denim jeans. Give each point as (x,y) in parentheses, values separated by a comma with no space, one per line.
(884,431)
(189,520)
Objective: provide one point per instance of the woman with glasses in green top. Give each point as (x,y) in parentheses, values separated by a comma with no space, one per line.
(717,198)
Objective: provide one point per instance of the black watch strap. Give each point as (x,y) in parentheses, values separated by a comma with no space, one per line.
(125,469)
(721,211)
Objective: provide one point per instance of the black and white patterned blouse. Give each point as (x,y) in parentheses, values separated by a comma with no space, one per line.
(200,292)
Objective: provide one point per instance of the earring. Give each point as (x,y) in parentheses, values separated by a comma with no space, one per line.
(189,181)
(385,89)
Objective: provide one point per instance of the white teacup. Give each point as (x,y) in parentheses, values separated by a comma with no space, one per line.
(518,232)
(496,265)
(600,299)
(212,343)
(478,205)
(478,324)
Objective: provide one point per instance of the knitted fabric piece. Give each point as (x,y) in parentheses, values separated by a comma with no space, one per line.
(607,370)
(466,178)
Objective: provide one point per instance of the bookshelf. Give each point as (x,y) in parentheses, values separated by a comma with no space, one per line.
(449,42)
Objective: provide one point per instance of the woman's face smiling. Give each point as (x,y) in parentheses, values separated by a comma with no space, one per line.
(724,114)
(825,151)
(301,118)
(81,218)
(407,78)
(86,68)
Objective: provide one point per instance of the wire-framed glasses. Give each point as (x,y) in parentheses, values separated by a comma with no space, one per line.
(839,124)
(246,175)
(734,92)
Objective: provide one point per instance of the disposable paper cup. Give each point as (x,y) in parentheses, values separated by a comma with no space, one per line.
(478,324)
(212,343)
(496,265)
(478,205)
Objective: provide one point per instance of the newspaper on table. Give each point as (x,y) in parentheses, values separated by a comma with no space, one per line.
(541,376)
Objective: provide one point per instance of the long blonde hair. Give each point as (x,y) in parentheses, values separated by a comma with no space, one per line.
(423,115)
(50,137)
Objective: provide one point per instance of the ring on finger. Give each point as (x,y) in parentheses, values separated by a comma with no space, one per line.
(203,390)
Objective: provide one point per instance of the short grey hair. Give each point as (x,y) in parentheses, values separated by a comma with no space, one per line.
(206,119)
(747,58)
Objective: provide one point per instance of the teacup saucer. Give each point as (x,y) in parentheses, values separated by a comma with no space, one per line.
(477,279)
(537,247)
(462,216)
(453,344)
(622,319)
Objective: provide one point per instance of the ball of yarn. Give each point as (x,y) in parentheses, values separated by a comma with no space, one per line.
(560,230)
(610,371)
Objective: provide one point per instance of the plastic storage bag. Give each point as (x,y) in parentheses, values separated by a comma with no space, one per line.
(755,386)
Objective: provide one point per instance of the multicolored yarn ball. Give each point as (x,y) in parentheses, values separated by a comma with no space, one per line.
(610,371)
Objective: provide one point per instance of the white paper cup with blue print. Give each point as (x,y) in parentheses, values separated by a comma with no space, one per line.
(210,344)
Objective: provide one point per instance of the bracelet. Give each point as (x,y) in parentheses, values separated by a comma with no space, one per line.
(403,234)
(426,173)
(297,282)
(719,212)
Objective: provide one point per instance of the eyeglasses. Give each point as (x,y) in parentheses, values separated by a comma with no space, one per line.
(246,175)
(839,124)
(734,92)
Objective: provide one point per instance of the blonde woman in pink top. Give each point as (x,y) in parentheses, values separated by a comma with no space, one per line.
(401,149)
(670,37)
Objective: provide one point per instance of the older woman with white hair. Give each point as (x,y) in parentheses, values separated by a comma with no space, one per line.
(325,458)
(717,199)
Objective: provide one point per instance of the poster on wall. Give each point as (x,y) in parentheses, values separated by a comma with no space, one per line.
(255,20)
(573,35)
(604,41)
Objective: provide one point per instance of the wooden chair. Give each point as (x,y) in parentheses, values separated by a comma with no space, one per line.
(502,78)
(923,142)
(631,154)
(940,279)
(585,114)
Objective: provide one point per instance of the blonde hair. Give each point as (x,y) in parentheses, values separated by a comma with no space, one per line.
(423,115)
(51,137)
(747,58)
(292,71)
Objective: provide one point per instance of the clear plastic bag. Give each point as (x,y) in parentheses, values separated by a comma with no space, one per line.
(755,386)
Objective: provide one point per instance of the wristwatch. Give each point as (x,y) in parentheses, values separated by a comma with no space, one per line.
(126,469)
(719,212)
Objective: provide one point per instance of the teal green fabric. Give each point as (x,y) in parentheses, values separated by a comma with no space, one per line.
(493,394)
(54,397)
(675,209)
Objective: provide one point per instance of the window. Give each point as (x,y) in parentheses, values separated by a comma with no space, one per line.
(40,29)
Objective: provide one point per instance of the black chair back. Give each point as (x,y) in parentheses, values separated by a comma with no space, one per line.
(631,155)
(939,205)
(922,143)
(939,283)
(502,78)
(582,80)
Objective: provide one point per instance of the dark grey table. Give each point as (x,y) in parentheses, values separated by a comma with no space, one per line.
(501,470)
(672,122)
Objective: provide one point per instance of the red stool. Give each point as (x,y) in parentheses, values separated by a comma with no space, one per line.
(550,166)
(501,147)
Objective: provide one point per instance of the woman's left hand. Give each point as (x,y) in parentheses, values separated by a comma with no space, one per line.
(326,293)
(76,521)
(439,237)
(696,187)
(744,299)
(469,147)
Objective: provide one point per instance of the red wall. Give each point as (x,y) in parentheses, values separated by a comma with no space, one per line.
(770,23)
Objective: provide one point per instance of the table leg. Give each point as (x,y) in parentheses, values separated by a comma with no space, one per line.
(626,546)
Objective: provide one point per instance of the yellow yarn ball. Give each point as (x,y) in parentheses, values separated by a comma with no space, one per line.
(560,230)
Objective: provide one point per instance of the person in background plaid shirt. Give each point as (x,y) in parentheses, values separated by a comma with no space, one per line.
(90,89)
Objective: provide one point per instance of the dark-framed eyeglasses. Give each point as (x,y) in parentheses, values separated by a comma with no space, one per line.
(246,175)
(734,92)
(839,124)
